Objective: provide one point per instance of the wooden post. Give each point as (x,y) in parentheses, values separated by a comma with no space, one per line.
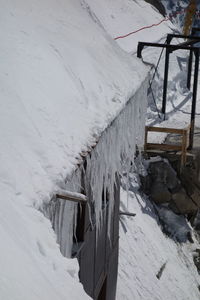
(165,82)
(145,138)
(194,98)
(184,149)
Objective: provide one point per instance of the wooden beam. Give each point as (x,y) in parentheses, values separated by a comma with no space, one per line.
(166,130)
(124,213)
(169,147)
(71,196)
(164,147)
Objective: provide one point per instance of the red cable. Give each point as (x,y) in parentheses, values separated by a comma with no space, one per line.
(146,27)
(150,26)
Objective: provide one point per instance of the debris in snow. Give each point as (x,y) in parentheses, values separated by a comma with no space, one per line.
(124,213)
(159,274)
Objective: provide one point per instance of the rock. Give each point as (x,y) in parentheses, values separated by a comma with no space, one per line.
(184,203)
(190,238)
(160,193)
(173,207)
(190,183)
(196,222)
(196,196)
(196,259)
(174,225)
(163,172)
(146,184)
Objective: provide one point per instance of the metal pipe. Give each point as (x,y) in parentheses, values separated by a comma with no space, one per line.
(165,82)
(172,48)
(194,98)
(181,36)
(189,69)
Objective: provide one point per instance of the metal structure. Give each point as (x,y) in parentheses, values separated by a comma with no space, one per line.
(194,51)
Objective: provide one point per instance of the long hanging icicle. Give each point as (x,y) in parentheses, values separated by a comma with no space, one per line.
(112,155)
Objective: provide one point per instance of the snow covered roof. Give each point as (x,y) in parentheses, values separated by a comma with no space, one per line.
(63,80)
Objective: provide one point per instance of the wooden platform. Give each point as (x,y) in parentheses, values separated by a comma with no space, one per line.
(181,148)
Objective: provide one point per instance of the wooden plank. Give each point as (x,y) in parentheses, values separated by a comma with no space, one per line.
(165,147)
(185,132)
(71,196)
(124,213)
(188,136)
(184,149)
(167,130)
(145,139)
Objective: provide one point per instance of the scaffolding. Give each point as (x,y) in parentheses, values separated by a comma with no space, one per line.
(194,51)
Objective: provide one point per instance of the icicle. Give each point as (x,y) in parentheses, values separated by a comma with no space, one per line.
(115,151)
(113,154)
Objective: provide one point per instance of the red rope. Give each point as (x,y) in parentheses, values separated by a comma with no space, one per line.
(153,25)
(145,27)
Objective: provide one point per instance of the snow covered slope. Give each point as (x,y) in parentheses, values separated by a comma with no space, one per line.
(121,17)
(63,80)
(145,253)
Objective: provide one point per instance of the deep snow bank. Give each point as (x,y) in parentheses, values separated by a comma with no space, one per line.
(63,80)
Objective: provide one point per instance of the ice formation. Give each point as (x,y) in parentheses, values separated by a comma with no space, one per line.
(113,153)
(116,150)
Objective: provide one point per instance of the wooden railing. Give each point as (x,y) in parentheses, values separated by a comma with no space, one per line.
(169,147)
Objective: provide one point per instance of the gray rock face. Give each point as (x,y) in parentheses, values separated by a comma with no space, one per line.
(191,183)
(164,181)
(196,259)
(183,202)
(175,226)
(163,186)
(161,171)
(173,201)
(160,193)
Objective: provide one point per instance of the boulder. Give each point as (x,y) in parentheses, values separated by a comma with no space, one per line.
(184,203)
(190,183)
(160,193)
(163,172)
